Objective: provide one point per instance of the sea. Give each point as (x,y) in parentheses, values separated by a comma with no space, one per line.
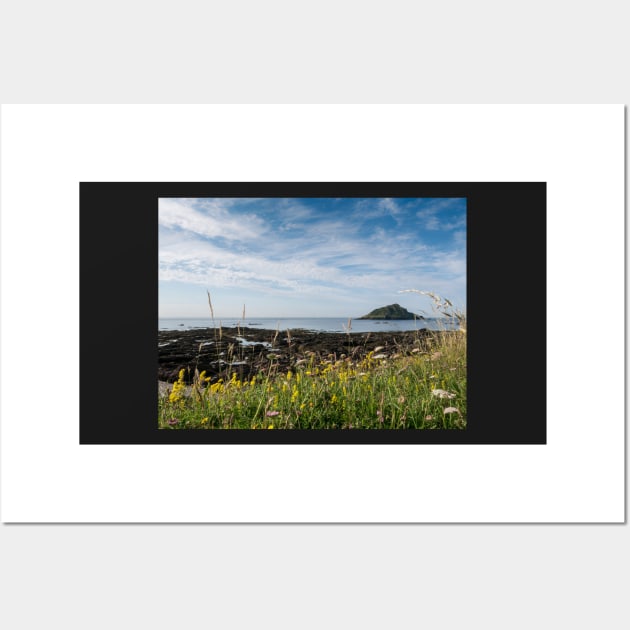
(320,324)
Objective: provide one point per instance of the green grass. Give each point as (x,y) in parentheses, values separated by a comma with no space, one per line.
(420,387)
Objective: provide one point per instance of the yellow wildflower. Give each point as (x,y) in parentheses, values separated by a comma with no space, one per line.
(179,387)
(216,387)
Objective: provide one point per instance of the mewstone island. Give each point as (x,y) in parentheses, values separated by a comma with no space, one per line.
(394,367)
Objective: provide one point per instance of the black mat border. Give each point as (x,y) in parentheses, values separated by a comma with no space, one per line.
(506,308)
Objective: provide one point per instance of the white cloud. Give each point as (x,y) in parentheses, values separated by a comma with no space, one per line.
(210,219)
(433,217)
(388,204)
(298,262)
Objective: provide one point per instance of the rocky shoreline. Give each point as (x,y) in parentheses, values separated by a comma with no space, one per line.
(247,351)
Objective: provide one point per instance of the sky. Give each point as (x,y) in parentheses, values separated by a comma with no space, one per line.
(309,257)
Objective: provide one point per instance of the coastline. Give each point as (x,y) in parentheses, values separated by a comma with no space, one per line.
(324,324)
(247,351)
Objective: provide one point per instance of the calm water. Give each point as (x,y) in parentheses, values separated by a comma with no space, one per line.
(326,324)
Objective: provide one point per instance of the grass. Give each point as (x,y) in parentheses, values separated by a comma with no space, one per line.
(418,387)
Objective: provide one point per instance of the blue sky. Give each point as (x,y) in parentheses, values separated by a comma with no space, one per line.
(315,257)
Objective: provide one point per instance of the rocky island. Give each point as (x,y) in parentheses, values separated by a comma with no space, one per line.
(393,311)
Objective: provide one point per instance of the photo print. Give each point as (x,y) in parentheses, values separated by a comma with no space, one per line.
(314,312)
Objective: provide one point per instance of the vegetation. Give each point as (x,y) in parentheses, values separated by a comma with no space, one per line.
(393,311)
(418,387)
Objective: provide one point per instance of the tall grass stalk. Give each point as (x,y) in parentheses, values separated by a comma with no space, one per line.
(443,307)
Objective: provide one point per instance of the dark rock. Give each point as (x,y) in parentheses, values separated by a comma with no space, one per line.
(183,349)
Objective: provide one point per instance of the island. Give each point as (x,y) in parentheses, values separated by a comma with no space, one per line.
(393,311)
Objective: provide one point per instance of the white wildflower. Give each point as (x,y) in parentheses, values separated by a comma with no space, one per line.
(452,410)
(442,393)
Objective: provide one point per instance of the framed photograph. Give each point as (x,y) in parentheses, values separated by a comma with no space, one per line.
(312,313)
(291,241)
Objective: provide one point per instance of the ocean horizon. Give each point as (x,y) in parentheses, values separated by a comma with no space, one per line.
(321,324)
